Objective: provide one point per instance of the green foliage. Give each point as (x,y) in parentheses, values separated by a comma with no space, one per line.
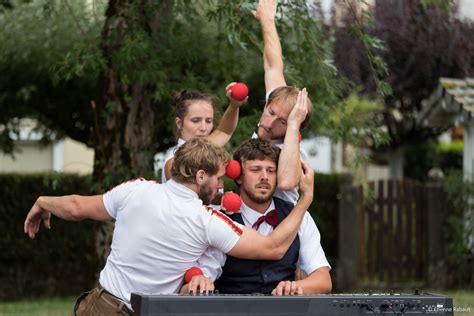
(204,46)
(405,45)
(39,41)
(354,125)
(444,5)
(372,45)
(421,158)
(309,62)
(459,230)
(57,262)
(455,147)
(461,219)
(325,210)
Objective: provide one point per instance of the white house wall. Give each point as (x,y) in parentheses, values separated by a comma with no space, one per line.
(30,157)
(77,157)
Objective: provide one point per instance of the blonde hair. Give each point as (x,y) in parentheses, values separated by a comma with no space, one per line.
(288,95)
(197,154)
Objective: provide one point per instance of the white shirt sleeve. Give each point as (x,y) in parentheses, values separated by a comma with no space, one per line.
(223,233)
(114,200)
(211,263)
(311,255)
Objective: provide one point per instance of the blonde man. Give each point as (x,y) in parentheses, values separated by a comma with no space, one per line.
(287,109)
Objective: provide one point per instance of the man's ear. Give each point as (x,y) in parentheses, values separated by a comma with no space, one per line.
(200,176)
(239,179)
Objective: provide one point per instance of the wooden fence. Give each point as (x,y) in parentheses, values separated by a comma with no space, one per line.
(390,234)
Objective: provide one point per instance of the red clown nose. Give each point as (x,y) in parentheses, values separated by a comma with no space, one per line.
(233,170)
(239,91)
(231,202)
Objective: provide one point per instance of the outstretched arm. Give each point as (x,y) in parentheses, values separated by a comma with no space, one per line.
(289,170)
(272,52)
(252,245)
(69,207)
(228,123)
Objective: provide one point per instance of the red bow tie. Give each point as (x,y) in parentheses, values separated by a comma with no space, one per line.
(271,218)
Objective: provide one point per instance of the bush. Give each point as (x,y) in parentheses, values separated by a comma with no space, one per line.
(60,262)
(420,158)
(325,209)
(65,261)
(459,230)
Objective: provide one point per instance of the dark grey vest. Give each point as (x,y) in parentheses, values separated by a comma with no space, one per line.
(242,276)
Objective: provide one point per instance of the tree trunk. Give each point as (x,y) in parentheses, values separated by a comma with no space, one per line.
(124,110)
(124,113)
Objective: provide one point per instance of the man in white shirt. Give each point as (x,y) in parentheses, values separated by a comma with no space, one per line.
(262,211)
(283,115)
(162,229)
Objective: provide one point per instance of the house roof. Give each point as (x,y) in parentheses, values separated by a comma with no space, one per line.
(452,103)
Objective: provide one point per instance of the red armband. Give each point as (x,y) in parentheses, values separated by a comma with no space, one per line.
(191,273)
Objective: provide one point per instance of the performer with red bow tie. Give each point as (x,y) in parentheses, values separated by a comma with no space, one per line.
(262,211)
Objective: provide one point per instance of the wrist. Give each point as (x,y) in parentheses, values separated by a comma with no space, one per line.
(307,197)
(293,127)
(234,105)
(267,21)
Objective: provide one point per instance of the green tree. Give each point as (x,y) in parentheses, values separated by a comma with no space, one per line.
(420,41)
(102,73)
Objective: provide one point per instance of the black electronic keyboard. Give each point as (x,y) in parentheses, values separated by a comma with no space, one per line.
(318,305)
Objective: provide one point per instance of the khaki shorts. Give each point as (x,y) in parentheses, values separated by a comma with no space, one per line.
(100,302)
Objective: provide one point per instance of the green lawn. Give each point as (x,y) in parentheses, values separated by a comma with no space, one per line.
(462,299)
(63,306)
(56,306)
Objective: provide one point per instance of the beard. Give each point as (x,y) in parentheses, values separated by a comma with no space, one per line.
(258,198)
(262,133)
(205,194)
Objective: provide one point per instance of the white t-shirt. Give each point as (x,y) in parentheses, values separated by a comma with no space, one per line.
(170,154)
(311,254)
(161,230)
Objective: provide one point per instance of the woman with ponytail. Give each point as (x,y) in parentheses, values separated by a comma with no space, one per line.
(195,118)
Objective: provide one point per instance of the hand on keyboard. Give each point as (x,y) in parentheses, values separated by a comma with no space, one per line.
(287,288)
(199,284)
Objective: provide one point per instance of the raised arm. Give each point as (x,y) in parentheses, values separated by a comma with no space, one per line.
(289,170)
(69,207)
(272,52)
(228,123)
(252,245)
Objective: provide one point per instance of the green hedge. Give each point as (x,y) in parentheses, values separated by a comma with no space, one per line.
(325,209)
(62,261)
(420,158)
